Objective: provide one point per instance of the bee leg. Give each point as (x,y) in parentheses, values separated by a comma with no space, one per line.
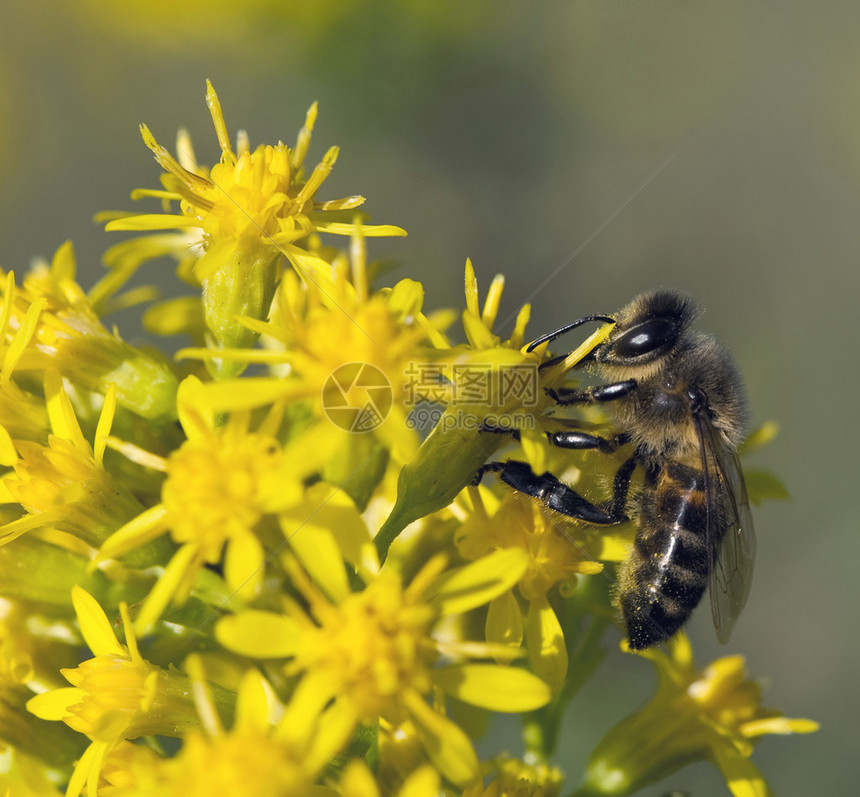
(584,440)
(488,427)
(592,395)
(568,439)
(620,488)
(490,467)
(553,493)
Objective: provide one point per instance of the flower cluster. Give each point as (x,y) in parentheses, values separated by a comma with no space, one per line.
(263,565)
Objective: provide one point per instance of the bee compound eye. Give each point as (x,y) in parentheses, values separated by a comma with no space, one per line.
(646,338)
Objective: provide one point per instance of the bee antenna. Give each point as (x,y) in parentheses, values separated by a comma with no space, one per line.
(566,328)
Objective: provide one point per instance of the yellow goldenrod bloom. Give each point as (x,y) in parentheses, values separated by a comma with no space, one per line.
(373,652)
(482,387)
(714,713)
(350,353)
(218,486)
(22,414)
(237,512)
(68,336)
(555,558)
(256,757)
(64,485)
(516,778)
(114,696)
(358,781)
(238,219)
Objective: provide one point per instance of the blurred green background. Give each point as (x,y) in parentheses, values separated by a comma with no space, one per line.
(587,150)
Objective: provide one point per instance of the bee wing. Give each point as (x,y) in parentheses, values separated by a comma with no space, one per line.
(730,532)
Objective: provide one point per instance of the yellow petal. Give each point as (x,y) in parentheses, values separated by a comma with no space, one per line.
(447,746)
(316,548)
(64,424)
(165,588)
(358,781)
(371,230)
(545,643)
(244,565)
(258,634)
(244,394)
(95,627)
(406,298)
(471,290)
(104,424)
(478,583)
(140,530)
(54,705)
(595,339)
(8,454)
(252,704)
(423,782)
(494,298)
(613,545)
(310,698)
(504,624)
(324,530)
(742,776)
(493,686)
(89,762)
(536,448)
(519,333)
(778,725)
(151,221)
(214,105)
(25,332)
(477,334)
(333,730)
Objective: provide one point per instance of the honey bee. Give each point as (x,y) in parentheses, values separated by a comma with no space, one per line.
(675,397)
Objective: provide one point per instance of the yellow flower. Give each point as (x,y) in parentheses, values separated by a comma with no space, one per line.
(22,414)
(236,221)
(256,757)
(374,654)
(555,558)
(456,447)
(714,713)
(518,779)
(349,352)
(66,334)
(114,696)
(65,485)
(357,781)
(219,485)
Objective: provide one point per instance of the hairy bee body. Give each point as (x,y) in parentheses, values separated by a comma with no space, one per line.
(676,403)
(682,520)
(666,573)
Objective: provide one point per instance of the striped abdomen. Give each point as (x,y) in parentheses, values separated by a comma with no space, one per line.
(666,573)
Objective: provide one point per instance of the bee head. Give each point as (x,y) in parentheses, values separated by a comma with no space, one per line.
(647,330)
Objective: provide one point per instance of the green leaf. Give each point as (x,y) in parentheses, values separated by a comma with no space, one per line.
(762,485)
(445,463)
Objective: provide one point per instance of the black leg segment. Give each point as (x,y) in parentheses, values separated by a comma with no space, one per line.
(551,492)
(593,395)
